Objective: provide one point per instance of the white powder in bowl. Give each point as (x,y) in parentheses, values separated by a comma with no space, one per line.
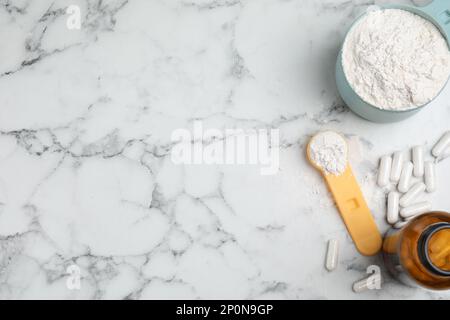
(328,150)
(396,60)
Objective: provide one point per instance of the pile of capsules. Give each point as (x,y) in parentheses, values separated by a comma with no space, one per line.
(412,179)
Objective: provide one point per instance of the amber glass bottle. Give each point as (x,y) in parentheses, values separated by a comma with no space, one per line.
(419,254)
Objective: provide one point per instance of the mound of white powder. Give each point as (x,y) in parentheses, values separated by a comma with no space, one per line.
(328,150)
(396,60)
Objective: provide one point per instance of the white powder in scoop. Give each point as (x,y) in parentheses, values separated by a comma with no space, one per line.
(396,60)
(328,150)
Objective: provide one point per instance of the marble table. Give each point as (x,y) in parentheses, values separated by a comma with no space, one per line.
(87,182)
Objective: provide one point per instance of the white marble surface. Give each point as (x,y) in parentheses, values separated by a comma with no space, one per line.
(86,176)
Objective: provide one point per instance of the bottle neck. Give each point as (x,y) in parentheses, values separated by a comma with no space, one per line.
(425,245)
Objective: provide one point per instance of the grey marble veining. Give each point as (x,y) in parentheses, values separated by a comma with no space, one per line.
(86,176)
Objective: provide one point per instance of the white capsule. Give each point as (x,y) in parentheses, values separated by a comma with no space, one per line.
(384,171)
(442,144)
(430,176)
(415,210)
(405,178)
(400,224)
(393,207)
(418,161)
(413,193)
(371,282)
(410,218)
(397,165)
(332,255)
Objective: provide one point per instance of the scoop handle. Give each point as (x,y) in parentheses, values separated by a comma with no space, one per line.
(439,11)
(355,212)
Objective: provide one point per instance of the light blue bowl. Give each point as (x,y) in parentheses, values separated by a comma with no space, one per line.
(437,12)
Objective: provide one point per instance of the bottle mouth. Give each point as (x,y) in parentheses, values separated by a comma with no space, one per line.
(423,248)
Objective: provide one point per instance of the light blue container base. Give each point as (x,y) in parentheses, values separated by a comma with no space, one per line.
(437,12)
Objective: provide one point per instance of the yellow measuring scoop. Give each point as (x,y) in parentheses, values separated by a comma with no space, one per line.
(325,151)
